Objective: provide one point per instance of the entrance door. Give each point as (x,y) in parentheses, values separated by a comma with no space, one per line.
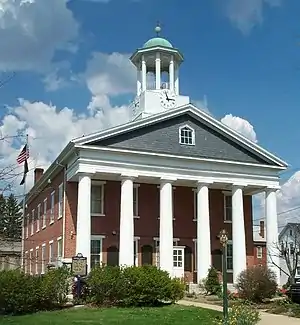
(178,261)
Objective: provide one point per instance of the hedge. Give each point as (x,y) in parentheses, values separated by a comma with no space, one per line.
(133,286)
(22,293)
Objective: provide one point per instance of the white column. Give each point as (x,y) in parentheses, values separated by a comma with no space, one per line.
(272,232)
(157,71)
(144,74)
(176,79)
(203,232)
(238,232)
(138,81)
(171,74)
(83,227)
(126,249)
(166,226)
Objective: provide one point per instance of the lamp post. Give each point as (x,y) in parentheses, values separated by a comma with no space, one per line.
(224,240)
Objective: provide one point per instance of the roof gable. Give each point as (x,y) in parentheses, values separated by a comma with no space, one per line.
(233,146)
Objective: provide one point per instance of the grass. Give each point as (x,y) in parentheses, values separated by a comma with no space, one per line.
(170,315)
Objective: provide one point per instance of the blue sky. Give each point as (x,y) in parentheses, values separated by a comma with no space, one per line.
(243,56)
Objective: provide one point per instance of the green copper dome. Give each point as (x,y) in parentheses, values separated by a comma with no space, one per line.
(157,41)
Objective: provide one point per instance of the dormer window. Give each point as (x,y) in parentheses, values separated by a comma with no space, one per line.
(187,135)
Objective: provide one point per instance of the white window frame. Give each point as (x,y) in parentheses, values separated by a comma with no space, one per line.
(52,205)
(259,252)
(229,270)
(136,205)
(190,129)
(298,271)
(32,223)
(45,206)
(175,257)
(36,260)
(100,238)
(195,192)
(38,217)
(43,253)
(227,194)
(27,226)
(30,260)
(51,251)
(60,201)
(26,262)
(59,248)
(102,185)
(136,250)
(195,254)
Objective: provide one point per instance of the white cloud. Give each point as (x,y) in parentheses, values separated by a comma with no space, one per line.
(245,14)
(32,30)
(240,125)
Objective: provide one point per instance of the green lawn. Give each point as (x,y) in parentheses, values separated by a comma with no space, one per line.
(170,315)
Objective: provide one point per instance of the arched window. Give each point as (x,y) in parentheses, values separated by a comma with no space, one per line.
(186,135)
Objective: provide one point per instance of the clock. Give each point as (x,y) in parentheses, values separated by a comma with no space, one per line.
(135,105)
(167,98)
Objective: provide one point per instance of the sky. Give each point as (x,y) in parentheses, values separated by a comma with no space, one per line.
(65,70)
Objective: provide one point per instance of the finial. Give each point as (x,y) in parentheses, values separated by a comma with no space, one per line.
(157,29)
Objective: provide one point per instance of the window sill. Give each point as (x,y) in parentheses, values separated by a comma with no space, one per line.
(159,218)
(227,221)
(31,234)
(97,215)
(59,217)
(38,230)
(51,223)
(136,217)
(194,219)
(43,227)
(229,271)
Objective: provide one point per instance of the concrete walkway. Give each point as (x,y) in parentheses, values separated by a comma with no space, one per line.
(266,318)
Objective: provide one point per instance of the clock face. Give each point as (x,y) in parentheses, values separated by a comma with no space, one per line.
(167,98)
(135,105)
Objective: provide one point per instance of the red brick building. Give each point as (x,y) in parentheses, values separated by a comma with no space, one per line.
(155,190)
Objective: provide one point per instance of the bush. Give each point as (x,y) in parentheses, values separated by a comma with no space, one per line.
(241,314)
(133,286)
(256,284)
(212,284)
(22,293)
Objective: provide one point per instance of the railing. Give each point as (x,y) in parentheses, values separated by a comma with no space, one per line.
(151,85)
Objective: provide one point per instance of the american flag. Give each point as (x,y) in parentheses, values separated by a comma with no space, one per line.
(24,155)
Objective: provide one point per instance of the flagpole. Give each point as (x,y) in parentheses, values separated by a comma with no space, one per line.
(23,219)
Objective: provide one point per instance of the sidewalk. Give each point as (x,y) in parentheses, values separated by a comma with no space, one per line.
(266,318)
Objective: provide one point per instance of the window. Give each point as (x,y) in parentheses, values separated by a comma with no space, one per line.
(298,271)
(136,200)
(38,217)
(229,257)
(27,225)
(52,207)
(30,260)
(44,213)
(291,232)
(292,251)
(60,201)
(156,249)
(59,248)
(195,255)
(36,260)
(177,257)
(186,135)
(26,262)
(227,208)
(51,251)
(32,223)
(43,258)
(97,199)
(195,204)
(136,251)
(96,251)
(259,252)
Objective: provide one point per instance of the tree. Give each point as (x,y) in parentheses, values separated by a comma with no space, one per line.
(13,219)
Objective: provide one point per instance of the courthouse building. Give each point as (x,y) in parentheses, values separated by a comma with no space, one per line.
(156,190)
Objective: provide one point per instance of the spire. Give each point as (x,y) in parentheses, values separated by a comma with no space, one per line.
(157,29)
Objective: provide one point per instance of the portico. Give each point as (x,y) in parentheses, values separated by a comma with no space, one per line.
(166,185)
